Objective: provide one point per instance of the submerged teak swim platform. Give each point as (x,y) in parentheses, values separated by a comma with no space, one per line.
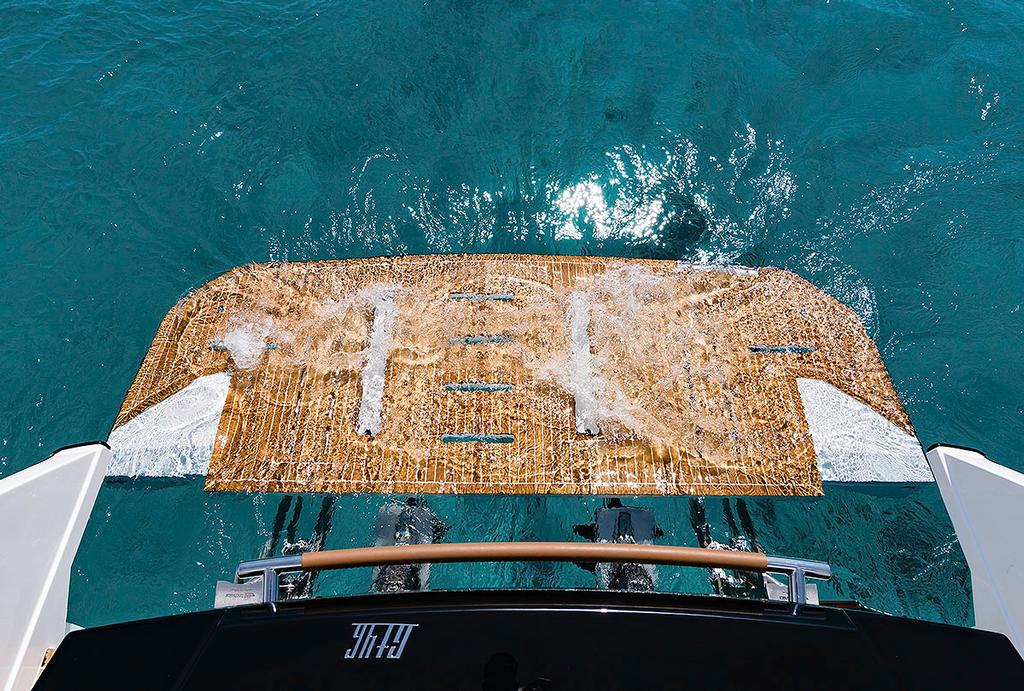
(510,374)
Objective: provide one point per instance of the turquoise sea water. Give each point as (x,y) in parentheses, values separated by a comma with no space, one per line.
(875,148)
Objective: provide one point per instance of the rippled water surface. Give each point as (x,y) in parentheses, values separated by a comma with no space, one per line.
(875,148)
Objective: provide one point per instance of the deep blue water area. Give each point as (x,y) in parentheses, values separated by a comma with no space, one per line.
(874,148)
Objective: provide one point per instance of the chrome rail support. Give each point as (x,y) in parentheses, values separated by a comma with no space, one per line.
(798,570)
(270,571)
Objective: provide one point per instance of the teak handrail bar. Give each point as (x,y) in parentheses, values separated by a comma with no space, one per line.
(270,569)
(533,551)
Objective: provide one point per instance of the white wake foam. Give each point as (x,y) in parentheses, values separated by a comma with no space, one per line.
(247,341)
(384,314)
(580,364)
(734,269)
(854,443)
(173,438)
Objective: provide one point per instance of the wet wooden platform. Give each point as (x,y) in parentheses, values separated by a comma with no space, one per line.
(688,376)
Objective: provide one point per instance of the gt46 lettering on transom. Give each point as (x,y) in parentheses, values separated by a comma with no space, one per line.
(379,641)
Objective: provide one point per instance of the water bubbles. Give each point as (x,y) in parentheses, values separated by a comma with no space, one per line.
(660,196)
(670,200)
(246,341)
(978,89)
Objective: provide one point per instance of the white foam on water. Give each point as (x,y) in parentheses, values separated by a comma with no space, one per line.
(580,364)
(624,218)
(853,443)
(173,438)
(733,269)
(742,188)
(739,194)
(246,341)
(618,300)
(601,313)
(376,357)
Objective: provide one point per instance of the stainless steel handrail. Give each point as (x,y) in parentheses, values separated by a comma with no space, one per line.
(797,570)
